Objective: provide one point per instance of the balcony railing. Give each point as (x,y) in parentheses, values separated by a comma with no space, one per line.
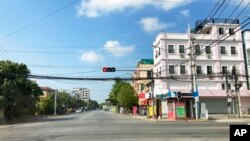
(201,23)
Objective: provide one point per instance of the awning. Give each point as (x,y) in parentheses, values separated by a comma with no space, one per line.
(216,93)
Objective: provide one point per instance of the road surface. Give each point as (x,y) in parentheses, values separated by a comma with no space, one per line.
(106,126)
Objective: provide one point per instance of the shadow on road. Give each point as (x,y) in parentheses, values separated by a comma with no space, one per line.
(37,119)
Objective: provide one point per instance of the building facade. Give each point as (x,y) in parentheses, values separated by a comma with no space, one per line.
(82,93)
(141,87)
(47,91)
(215,56)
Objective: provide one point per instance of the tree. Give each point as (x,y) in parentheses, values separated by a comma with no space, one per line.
(93,104)
(46,106)
(102,104)
(114,92)
(123,94)
(20,94)
(126,96)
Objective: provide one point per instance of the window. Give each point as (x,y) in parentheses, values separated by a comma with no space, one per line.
(233,50)
(171,69)
(222,50)
(229,86)
(231,31)
(198,70)
(223,86)
(224,69)
(209,70)
(142,87)
(197,50)
(159,51)
(170,48)
(156,53)
(160,71)
(208,50)
(221,30)
(182,70)
(181,49)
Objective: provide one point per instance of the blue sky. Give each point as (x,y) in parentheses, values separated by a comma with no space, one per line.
(81,38)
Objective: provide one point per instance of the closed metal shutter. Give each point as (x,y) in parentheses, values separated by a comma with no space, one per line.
(215,105)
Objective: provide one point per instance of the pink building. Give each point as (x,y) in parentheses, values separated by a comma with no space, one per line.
(171,54)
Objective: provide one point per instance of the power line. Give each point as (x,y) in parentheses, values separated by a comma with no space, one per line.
(38,20)
(184,2)
(209,15)
(224,8)
(218,8)
(13,75)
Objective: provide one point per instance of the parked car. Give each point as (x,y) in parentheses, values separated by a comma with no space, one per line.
(78,110)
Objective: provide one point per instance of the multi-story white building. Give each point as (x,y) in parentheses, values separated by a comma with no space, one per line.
(82,93)
(246,46)
(171,52)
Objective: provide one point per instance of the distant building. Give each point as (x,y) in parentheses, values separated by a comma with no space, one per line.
(82,93)
(47,91)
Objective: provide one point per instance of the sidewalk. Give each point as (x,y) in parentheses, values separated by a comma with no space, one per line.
(215,118)
(226,118)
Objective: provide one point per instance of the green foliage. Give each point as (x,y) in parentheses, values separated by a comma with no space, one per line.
(102,104)
(93,105)
(64,102)
(45,106)
(114,92)
(123,94)
(126,96)
(20,94)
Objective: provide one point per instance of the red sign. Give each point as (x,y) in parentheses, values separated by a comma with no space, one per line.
(144,102)
(134,110)
(141,96)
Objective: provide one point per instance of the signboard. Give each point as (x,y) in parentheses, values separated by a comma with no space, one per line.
(134,110)
(141,96)
(180,110)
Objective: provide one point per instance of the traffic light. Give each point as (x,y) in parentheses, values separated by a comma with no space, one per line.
(108,69)
(179,95)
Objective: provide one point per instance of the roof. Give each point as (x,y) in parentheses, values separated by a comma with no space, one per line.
(47,89)
(146,61)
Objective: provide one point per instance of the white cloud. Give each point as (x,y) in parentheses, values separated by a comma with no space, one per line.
(91,57)
(151,24)
(95,8)
(116,49)
(185,12)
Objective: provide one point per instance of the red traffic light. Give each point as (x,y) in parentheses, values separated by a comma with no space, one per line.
(108,69)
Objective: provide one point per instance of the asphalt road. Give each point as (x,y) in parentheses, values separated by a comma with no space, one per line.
(106,126)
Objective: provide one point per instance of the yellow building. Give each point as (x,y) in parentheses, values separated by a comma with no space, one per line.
(143,69)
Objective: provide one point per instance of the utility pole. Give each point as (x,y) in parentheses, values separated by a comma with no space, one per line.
(193,74)
(152,89)
(227,90)
(55,102)
(237,87)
